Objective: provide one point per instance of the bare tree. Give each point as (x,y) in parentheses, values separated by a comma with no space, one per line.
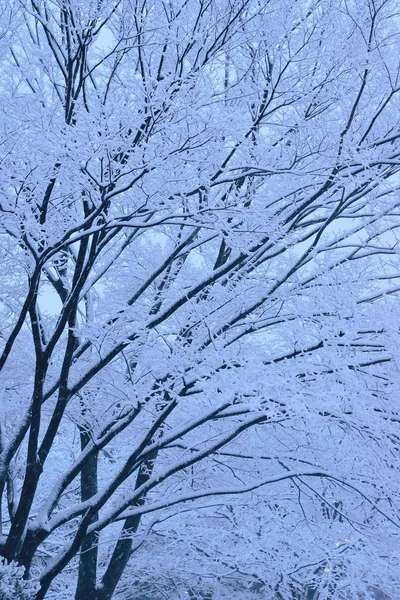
(200,215)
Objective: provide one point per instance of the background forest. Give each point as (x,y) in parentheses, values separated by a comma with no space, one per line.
(199,315)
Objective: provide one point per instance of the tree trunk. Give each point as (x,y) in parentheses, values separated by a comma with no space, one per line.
(87,572)
(123,548)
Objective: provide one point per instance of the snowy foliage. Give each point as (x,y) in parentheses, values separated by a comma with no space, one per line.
(12,583)
(199,301)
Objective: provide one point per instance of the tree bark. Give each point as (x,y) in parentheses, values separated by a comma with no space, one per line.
(87,571)
(123,548)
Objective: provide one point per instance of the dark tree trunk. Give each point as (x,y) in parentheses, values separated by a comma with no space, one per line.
(119,559)
(123,548)
(87,572)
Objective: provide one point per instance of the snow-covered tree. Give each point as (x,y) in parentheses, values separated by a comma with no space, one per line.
(199,272)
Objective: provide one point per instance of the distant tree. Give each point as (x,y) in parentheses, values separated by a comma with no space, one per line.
(199,331)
